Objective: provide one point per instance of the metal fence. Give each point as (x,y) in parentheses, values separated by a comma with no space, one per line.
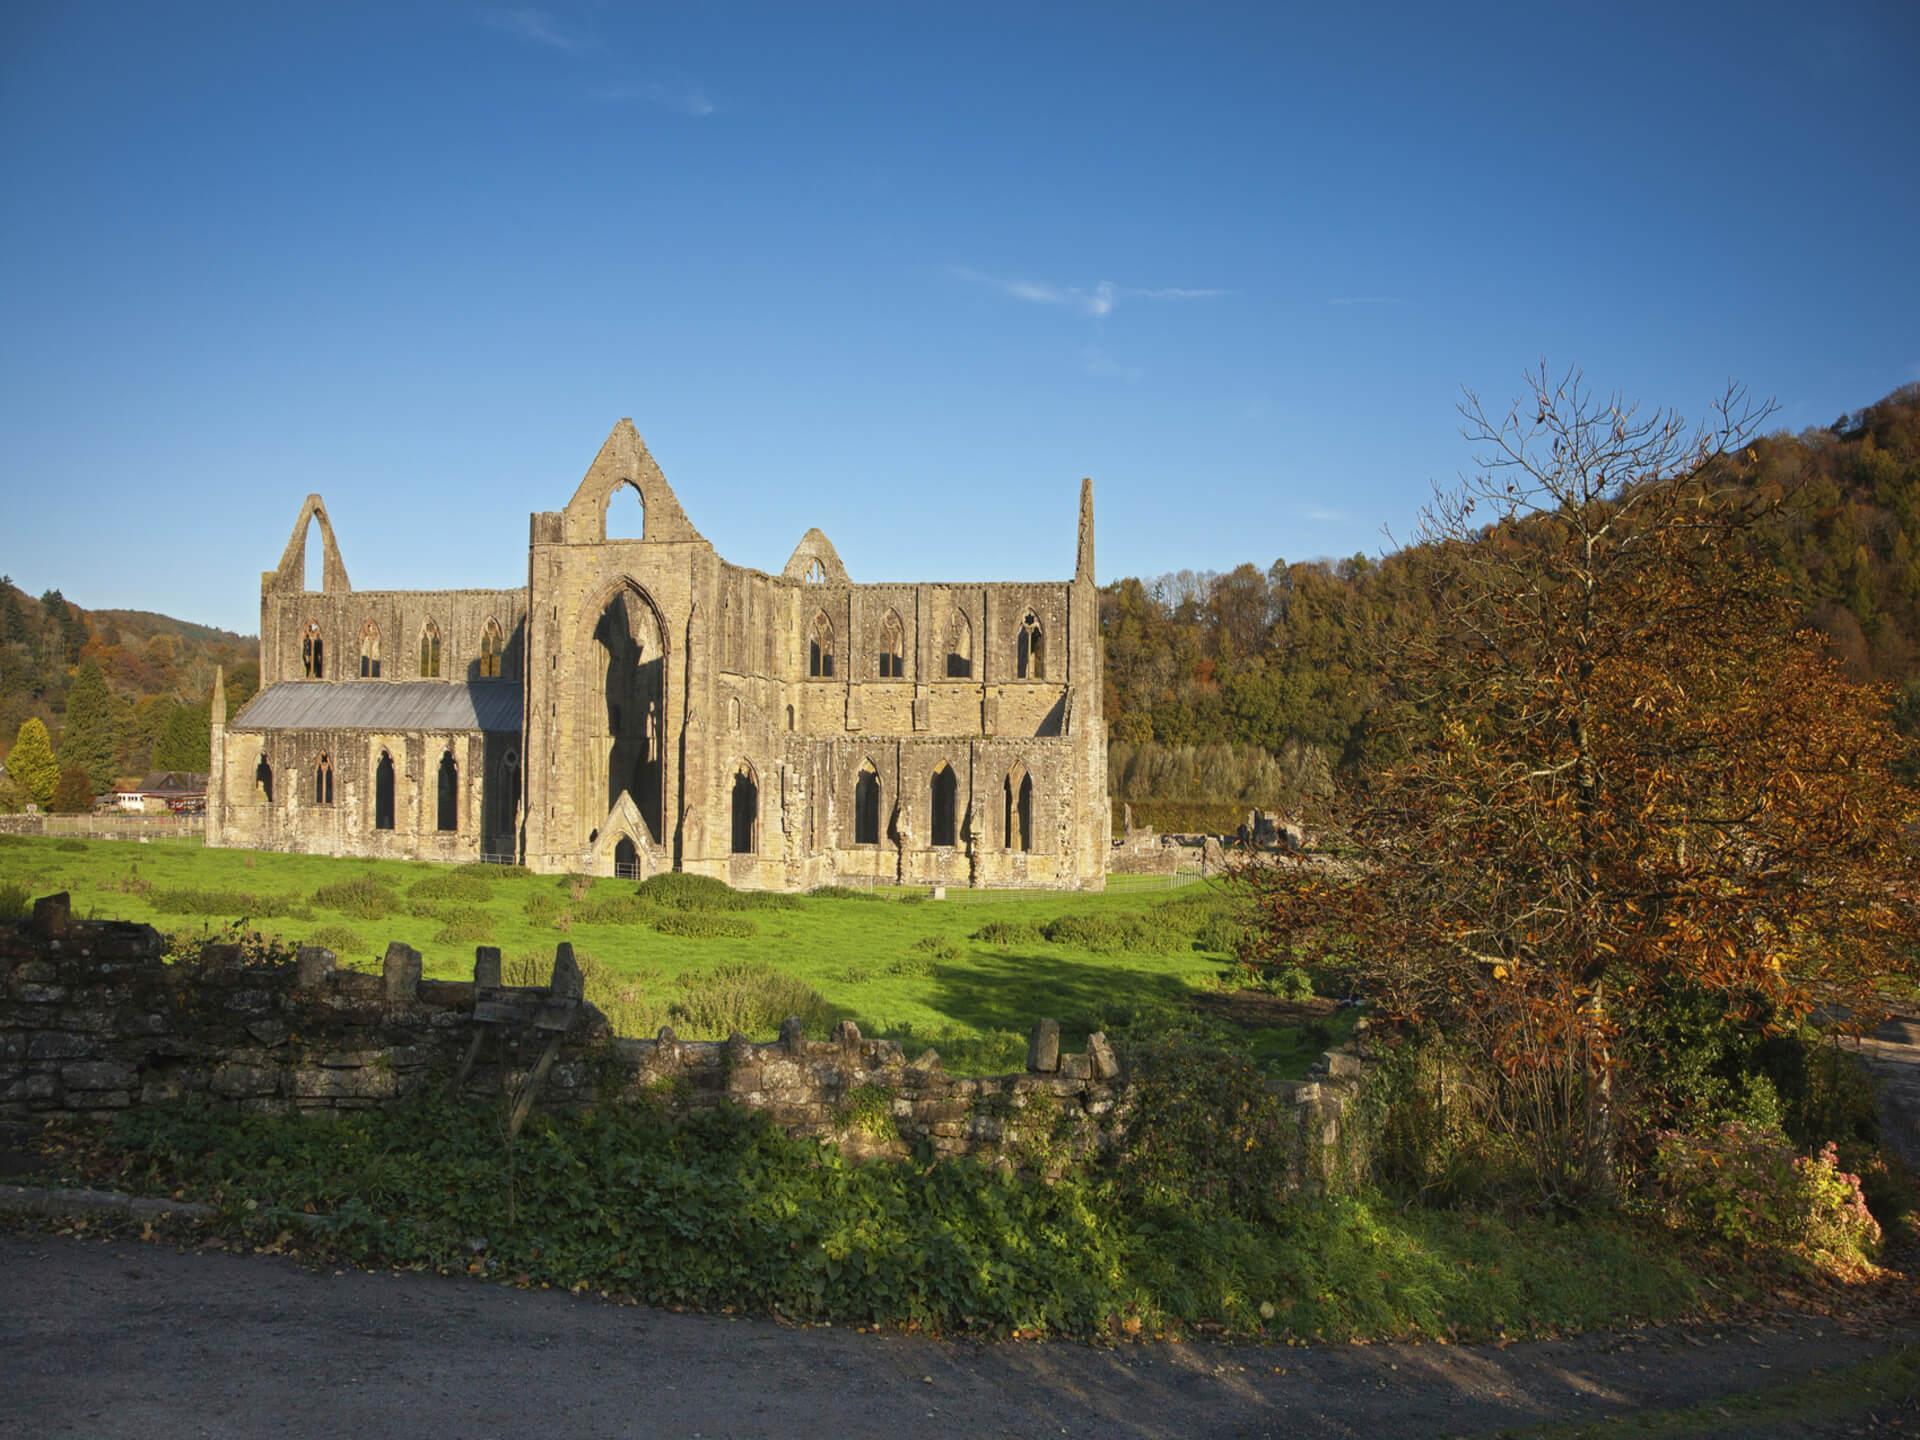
(111,827)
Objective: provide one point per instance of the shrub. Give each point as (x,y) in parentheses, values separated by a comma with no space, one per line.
(1743,1183)
(1007,932)
(224,902)
(1223,935)
(1433,1132)
(702,925)
(462,885)
(678,890)
(72,847)
(577,886)
(16,901)
(495,872)
(365,897)
(465,927)
(1152,933)
(1291,983)
(1207,1133)
(616,908)
(746,996)
(842,892)
(542,907)
(934,947)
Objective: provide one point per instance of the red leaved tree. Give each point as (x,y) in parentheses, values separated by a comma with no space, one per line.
(1615,761)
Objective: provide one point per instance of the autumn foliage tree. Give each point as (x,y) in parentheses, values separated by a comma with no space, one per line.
(1614,764)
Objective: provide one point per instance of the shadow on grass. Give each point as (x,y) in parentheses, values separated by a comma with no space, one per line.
(1011,991)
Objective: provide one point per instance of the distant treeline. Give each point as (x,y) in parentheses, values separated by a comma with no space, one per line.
(1282,661)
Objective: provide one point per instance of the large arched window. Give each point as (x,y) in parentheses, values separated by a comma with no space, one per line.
(430,652)
(447,811)
(369,651)
(820,647)
(490,647)
(323,781)
(509,804)
(1030,656)
(383,793)
(866,805)
(893,648)
(945,804)
(746,810)
(959,647)
(263,779)
(313,657)
(1019,805)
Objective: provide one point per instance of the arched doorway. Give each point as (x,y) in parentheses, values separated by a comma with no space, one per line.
(945,798)
(626,859)
(626,725)
(383,793)
(746,811)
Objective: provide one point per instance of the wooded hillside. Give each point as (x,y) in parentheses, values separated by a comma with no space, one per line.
(1282,660)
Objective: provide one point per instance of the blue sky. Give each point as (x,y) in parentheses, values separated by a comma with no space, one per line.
(901,271)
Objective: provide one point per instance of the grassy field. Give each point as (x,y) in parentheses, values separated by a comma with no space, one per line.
(900,964)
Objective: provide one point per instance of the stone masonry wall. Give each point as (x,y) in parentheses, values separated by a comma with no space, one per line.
(94,1020)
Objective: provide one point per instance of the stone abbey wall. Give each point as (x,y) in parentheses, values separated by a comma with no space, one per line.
(93,1021)
(676,711)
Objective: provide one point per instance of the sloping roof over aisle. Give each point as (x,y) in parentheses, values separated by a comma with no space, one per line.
(490,705)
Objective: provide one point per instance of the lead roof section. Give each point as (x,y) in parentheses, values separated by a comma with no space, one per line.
(487,705)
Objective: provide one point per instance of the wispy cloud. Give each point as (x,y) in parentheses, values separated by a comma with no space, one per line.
(613,86)
(1325,514)
(535,25)
(1099,363)
(1369,300)
(1097,300)
(668,95)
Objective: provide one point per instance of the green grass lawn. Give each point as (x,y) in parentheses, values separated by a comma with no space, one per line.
(901,965)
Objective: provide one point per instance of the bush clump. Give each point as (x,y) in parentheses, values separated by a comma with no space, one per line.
(365,897)
(16,901)
(1152,933)
(1743,1183)
(1007,932)
(613,909)
(678,890)
(465,927)
(225,902)
(462,885)
(934,947)
(495,872)
(702,924)
(843,892)
(542,907)
(746,996)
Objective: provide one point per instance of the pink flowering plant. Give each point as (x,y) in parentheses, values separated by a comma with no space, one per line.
(1743,1183)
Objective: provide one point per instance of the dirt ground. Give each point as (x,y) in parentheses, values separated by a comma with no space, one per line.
(117,1338)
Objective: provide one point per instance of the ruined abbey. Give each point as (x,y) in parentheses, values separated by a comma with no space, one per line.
(642,705)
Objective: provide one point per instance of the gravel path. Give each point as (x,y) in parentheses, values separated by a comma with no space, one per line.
(115,1338)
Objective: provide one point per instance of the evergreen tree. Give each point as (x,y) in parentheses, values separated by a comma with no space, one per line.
(185,741)
(31,762)
(90,740)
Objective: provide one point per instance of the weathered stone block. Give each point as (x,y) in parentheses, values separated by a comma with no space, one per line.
(486,967)
(53,916)
(97,1075)
(369,1082)
(400,974)
(793,1035)
(235,1081)
(568,981)
(1043,1048)
(59,1045)
(846,1035)
(1106,1066)
(312,966)
(1076,1067)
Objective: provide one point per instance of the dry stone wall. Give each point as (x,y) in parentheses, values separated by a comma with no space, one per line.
(94,1019)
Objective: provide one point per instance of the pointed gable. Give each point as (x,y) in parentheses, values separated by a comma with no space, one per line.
(625,460)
